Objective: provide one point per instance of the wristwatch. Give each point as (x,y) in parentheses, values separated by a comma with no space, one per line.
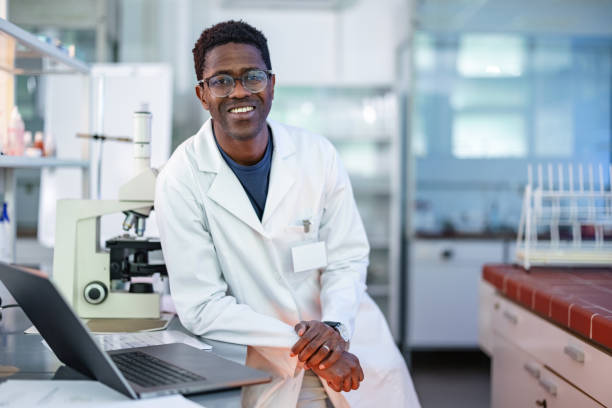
(340,328)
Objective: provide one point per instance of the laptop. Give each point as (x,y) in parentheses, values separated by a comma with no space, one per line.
(139,372)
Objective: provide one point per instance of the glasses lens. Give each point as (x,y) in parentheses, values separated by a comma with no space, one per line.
(221,85)
(255,81)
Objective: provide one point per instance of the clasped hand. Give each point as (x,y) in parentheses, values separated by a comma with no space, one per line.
(323,350)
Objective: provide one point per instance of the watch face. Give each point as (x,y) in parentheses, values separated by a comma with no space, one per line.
(340,328)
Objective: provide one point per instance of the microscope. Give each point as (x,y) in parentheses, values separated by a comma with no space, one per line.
(91,278)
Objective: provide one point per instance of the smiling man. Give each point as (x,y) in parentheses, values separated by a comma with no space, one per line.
(264,245)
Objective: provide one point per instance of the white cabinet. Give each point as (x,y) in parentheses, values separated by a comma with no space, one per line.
(535,360)
(520,380)
(444,287)
(576,360)
(488,307)
(514,383)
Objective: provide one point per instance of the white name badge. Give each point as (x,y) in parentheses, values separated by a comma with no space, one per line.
(309,256)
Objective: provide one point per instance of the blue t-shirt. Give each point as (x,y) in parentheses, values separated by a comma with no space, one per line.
(254,178)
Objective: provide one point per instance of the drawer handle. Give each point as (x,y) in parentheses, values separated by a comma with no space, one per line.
(447,254)
(533,369)
(511,317)
(549,386)
(575,353)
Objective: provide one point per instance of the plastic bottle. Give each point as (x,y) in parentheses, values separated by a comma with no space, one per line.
(49,145)
(15,133)
(27,139)
(38,141)
(30,149)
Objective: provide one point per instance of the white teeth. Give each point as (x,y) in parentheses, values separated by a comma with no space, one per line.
(242,110)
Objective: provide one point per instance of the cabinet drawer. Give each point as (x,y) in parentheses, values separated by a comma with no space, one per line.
(520,380)
(575,360)
(456,253)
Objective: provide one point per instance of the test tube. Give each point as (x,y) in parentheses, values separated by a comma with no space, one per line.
(550,177)
(540,178)
(529,175)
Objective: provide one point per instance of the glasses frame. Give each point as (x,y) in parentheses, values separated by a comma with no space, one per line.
(241,78)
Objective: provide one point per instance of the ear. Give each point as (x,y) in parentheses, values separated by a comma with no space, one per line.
(201,96)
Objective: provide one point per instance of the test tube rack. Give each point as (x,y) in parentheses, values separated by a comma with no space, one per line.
(566,224)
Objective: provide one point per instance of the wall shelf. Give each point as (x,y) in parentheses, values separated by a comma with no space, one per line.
(24,54)
(16,162)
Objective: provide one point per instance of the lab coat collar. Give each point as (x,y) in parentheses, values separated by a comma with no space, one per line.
(284,170)
(226,189)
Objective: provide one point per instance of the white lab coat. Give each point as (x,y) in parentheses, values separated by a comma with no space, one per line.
(231,275)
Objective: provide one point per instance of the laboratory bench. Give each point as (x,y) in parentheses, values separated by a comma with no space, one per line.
(35,362)
(549,333)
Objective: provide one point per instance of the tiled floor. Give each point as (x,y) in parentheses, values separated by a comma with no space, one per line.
(452,379)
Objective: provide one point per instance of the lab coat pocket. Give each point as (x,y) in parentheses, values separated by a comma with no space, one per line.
(303,230)
(305,251)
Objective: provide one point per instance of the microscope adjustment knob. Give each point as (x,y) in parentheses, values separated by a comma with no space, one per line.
(95,292)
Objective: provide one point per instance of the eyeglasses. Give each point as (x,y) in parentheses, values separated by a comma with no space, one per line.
(222,85)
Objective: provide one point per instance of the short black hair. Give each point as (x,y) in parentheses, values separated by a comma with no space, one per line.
(227,32)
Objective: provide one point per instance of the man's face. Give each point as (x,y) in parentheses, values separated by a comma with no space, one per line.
(235,59)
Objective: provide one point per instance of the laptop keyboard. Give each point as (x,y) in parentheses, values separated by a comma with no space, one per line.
(148,371)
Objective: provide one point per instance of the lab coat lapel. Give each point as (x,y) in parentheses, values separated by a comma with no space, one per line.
(225,189)
(283,170)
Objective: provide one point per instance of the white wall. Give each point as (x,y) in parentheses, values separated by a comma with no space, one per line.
(354,47)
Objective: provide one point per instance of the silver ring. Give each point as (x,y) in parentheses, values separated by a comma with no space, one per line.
(325,347)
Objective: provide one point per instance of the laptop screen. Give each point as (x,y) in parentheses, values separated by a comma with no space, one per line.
(60,327)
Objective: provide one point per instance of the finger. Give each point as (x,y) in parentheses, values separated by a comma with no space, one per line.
(320,355)
(355,380)
(331,358)
(361,375)
(312,347)
(346,386)
(304,340)
(301,328)
(334,386)
(314,330)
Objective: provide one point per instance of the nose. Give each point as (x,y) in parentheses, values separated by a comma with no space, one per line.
(239,90)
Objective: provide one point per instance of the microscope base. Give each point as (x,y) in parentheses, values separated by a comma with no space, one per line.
(122,305)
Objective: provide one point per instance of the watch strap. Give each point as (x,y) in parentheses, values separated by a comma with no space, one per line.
(340,328)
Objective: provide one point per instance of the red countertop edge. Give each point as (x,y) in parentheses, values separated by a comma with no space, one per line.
(550,293)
